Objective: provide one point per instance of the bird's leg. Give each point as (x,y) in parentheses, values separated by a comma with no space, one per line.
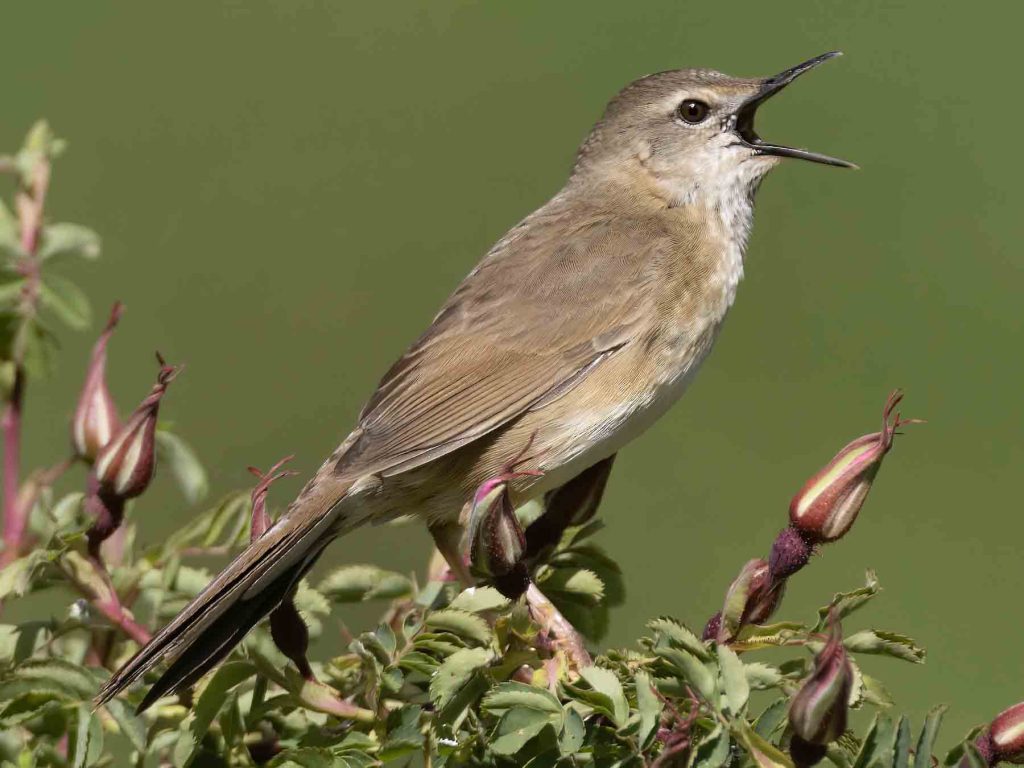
(561,635)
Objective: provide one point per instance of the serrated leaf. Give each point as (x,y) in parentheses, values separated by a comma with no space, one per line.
(771,718)
(885,643)
(680,636)
(184,465)
(516,728)
(306,757)
(356,583)
(874,692)
(878,746)
(691,669)
(714,750)
(926,742)
(901,758)
(16,578)
(574,731)
(761,676)
(765,754)
(480,599)
(733,679)
(88,738)
(66,300)
(605,683)
(846,603)
(207,707)
(649,707)
(66,239)
(130,725)
(579,584)
(455,672)
(71,676)
(511,695)
(459,623)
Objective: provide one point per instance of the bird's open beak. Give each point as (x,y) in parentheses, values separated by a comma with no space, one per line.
(769,87)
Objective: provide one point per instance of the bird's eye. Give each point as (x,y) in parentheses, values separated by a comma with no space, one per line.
(693,111)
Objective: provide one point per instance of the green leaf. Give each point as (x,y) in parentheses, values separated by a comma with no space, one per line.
(66,300)
(846,603)
(874,692)
(405,735)
(577,584)
(680,636)
(902,752)
(70,676)
(460,623)
(771,718)
(733,679)
(132,726)
(692,670)
(356,583)
(761,676)
(974,758)
(649,706)
(207,707)
(184,464)
(511,695)
(480,599)
(926,742)
(17,577)
(884,643)
(455,672)
(516,728)
(714,751)
(307,757)
(66,239)
(956,754)
(878,747)
(88,738)
(574,731)
(764,754)
(605,683)
(11,287)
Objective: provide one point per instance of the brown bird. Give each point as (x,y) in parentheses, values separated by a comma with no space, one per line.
(576,331)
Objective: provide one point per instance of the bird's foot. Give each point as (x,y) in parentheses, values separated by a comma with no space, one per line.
(557,634)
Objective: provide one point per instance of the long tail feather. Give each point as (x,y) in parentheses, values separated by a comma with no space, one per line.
(251,586)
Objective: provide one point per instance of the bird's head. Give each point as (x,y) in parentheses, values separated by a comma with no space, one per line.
(691,129)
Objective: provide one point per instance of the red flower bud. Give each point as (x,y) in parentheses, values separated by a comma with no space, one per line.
(818,712)
(124,467)
(107,513)
(260,519)
(751,599)
(95,420)
(496,539)
(828,504)
(1006,735)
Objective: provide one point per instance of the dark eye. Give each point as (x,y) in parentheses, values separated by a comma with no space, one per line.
(693,111)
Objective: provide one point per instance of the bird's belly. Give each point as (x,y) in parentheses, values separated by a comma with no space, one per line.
(594,432)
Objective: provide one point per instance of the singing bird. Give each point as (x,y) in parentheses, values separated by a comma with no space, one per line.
(576,331)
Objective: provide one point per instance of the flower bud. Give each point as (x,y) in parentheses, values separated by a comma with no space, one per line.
(817,714)
(1007,736)
(124,467)
(497,543)
(291,635)
(95,421)
(107,513)
(751,599)
(827,506)
(260,519)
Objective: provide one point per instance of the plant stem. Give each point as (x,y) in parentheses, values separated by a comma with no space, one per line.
(30,199)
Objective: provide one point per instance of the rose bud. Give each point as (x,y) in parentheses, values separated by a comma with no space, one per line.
(260,519)
(496,539)
(1006,736)
(817,714)
(291,635)
(125,465)
(751,599)
(95,420)
(828,504)
(107,513)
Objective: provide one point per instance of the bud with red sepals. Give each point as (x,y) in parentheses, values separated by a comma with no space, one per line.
(95,421)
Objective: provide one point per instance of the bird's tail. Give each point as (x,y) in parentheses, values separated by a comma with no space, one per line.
(249,588)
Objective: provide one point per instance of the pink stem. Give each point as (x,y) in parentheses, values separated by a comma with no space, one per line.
(14,520)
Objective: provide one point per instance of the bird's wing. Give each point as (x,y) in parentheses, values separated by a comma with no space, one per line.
(545,307)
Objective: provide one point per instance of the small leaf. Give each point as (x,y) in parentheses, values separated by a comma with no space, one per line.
(184,464)
(886,644)
(66,239)
(902,753)
(680,636)
(66,300)
(761,676)
(878,747)
(17,577)
(926,742)
(460,623)
(505,696)
(649,706)
(733,677)
(692,670)
(771,718)
(132,726)
(356,583)
(714,751)
(207,707)
(574,731)
(479,599)
(605,683)
(874,692)
(763,753)
(577,584)
(516,728)
(846,603)
(455,672)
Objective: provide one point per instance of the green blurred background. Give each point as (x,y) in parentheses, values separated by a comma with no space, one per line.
(288,190)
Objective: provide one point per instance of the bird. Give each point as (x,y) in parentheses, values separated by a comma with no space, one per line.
(575,332)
